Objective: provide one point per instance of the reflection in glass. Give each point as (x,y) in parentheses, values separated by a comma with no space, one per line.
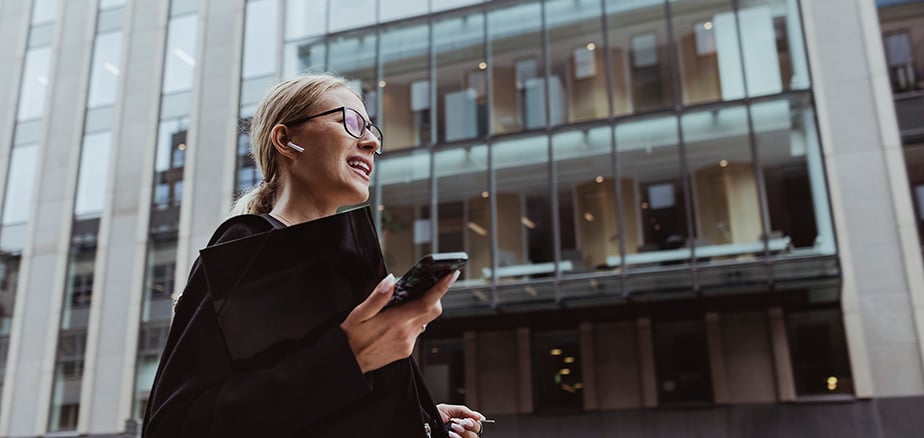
(558,383)
(302,56)
(72,337)
(773,47)
(707,50)
(517,67)
(169,162)
(682,362)
(463,212)
(157,309)
(17,203)
(353,56)
(577,88)
(181,54)
(93,174)
(443,365)
(458,43)
(639,56)
(587,208)
(305,18)
(351,14)
(104,78)
(35,79)
(259,58)
(405,209)
(406,86)
(525,233)
(649,166)
(793,173)
(9,275)
(820,362)
(44,11)
(726,205)
(395,9)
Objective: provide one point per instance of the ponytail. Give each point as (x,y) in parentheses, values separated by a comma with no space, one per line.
(258,200)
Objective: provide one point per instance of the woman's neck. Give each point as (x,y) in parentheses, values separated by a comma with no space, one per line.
(294,207)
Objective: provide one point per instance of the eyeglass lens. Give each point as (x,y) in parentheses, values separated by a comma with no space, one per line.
(355,124)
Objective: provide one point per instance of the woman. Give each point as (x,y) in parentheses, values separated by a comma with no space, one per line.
(315,146)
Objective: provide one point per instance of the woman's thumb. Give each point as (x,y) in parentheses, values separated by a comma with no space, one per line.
(377,299)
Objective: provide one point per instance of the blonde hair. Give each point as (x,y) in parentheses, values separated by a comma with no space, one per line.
(287,100)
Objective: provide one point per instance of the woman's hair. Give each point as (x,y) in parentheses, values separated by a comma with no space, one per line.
(287,100)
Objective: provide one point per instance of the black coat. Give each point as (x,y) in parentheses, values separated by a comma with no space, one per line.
(312,388)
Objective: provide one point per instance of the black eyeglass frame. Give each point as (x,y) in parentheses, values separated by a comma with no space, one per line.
(367,125)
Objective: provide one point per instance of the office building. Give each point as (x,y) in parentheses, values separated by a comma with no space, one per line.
(684,217)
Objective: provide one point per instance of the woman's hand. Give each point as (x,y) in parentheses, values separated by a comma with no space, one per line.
(379,337)
(463,422)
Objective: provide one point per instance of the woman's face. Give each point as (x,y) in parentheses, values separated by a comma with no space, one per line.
(335,168)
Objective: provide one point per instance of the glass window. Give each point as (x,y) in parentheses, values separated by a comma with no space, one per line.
(260,39)
(525,233)
(558,383)
(351,14)
(682,362)
(9,278)
(463,210)
(106,4)
(443,366)
(35,78)
(727,219)
(19,184)
(156,313)
(439,5)
(305,18)
(640,57)
(181,54)
(773,47)
(171,153)
(93,174)
(651,179)
(354,57)
(517,67)
(793,174)
(303,55)
(395,9)
(706,37)
(404,204)
(818,347)
(182,7)
(587,209)
(44,11)
(72,340)
(458,43)
(104,78)
(406,86)
(576,87)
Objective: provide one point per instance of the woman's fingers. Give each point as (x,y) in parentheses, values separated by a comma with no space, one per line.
(376,300)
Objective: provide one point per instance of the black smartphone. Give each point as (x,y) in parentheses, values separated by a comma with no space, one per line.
(424,274)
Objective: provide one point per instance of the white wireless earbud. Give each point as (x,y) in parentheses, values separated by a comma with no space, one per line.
(295,146)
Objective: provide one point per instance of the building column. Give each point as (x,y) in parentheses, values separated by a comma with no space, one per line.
(649,380)
(588,365)
(782,363)
(470,353)
(720,393)
(525,375)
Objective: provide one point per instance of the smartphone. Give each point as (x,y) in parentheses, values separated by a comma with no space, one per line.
(424,274)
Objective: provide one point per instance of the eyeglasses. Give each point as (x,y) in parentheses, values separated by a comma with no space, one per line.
(353,123)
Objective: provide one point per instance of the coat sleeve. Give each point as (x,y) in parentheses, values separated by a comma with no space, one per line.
(197,392)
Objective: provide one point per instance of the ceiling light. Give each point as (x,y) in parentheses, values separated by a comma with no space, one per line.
(591,46)
(555,352)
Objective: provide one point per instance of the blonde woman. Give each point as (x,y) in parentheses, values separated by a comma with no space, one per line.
(313,141)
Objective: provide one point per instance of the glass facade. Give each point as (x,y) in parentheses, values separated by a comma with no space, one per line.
(166,196)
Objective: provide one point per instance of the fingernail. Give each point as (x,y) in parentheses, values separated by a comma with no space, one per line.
(385,285)
(455,276)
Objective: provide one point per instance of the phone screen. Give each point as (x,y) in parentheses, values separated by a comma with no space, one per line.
(425,274)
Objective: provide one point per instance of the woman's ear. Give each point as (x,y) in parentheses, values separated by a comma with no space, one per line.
(280,138)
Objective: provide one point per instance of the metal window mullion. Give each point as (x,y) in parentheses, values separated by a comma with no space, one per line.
(492,180)
(434,186)
(684,174)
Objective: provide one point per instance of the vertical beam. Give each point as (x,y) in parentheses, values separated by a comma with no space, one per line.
(782,363)
(588,366)
(525,375)
(649,381)
(470,352)
(720,393)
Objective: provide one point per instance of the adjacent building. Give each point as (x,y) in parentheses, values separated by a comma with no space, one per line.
(684,217)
